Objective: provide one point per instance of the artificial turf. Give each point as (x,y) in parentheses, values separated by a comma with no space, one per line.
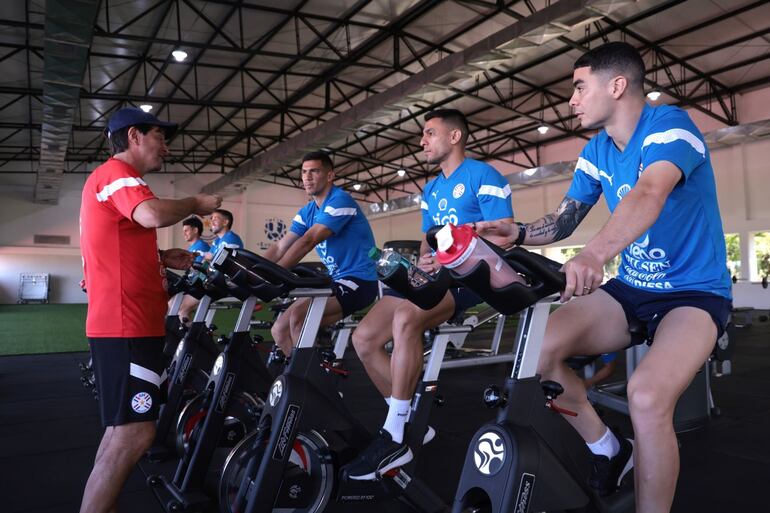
(49,328)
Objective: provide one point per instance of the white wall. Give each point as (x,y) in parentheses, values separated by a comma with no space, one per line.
(742,174)
(20,219)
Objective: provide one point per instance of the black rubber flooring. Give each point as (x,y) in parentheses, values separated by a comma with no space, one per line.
(50,430)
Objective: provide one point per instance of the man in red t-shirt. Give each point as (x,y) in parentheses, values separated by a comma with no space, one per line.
(125,278)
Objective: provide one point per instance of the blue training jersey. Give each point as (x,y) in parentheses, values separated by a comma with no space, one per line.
(228,240)
(346,252)
(474,192)
(685,248)
(199,247)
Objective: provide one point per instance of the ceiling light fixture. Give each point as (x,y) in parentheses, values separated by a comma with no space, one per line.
(542,129)
(146,107)
(653,95)
(179,55)
(401,172)
(357,186)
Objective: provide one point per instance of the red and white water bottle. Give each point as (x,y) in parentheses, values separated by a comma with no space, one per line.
(460,249)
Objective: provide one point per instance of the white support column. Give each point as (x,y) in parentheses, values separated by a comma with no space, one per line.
(747,246)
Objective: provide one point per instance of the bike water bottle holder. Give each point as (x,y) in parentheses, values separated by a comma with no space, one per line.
(542,274)
(200,281)
(427,295)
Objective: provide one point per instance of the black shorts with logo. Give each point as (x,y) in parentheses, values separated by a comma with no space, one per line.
(651,307)
(129,373)
(464,298)
(354,294)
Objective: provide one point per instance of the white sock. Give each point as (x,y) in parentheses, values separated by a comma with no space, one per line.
(398,413)
(608,445)
(387,400)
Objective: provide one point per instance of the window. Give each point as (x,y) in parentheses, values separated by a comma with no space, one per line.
(733,243)
(611,268)
(567,253)
(762,253)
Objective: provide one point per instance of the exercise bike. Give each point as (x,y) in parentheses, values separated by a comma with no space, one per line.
(306,434)
(530,459)
(192,354)
(225,410)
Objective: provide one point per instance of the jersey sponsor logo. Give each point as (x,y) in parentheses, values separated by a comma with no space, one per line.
(442,204)
(450,217)
(646,267)
(458,191)
(326,259)
(489,453)
(141,402)
(275,228)
(623,190)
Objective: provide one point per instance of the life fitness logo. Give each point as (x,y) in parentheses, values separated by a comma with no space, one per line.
(489,454)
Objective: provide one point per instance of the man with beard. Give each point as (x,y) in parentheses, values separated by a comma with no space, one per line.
(335,226)
(654,170)
(465,191)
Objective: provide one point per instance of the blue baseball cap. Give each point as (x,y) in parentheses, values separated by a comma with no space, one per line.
(131,116)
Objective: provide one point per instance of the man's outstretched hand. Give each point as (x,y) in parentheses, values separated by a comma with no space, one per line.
(176,258)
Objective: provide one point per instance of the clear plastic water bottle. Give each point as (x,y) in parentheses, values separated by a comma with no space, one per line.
(460,248)
(387,260)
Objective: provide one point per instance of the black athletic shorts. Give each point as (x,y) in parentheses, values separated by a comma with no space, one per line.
(464,298)
(651,307)
(354,294)
(129,372)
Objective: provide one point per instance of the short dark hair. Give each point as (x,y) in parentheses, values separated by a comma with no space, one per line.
(119,139)
(227,215)
(194,222)
(616,57)
(453,118)
(326,161)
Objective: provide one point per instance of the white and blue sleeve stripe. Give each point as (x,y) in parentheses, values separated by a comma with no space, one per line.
(588,168)
(493,190)
(335,212)
(673,135)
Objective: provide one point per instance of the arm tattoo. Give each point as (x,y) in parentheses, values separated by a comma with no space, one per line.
(559,225)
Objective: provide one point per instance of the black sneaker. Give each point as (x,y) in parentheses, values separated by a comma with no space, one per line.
(382,455)
(607,473)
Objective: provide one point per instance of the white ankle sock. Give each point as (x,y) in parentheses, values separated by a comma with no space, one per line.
(608,445)
(398,413)
(387,400)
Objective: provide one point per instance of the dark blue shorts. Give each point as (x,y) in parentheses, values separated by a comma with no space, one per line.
(651,307)
(464,298)
(128,375)
(354,294)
